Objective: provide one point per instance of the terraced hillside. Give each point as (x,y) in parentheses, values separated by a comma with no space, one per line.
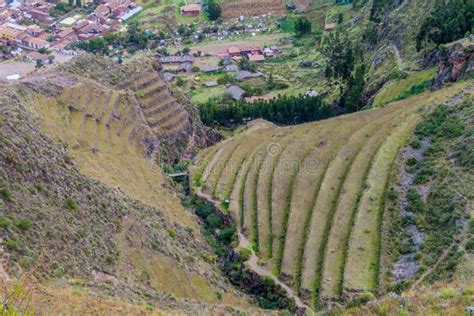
(110,140)
(82,206)
(311,197)
(172,118)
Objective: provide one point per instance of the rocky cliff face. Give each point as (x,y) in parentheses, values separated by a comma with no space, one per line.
(455,61)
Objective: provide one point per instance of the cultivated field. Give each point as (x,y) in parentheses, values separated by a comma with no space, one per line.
(237,8)
(310,197)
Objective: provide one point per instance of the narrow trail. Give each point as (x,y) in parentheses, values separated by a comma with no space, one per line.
(461,236)
(252,262)
(397,53)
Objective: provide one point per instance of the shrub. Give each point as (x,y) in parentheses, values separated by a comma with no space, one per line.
(470,245)
(23,224)
(71,204)
(415,143)
(110,259)
(3,222)
(227,235)
(214,221)
(448,293)
(172,233)
(5,194)
(361,299)
(80,233)
(11,244)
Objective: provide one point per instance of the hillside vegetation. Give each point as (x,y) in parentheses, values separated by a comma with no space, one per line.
(311,197)
(82,197)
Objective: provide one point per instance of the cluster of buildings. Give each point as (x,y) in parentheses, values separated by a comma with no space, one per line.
(253,53)
(62,32)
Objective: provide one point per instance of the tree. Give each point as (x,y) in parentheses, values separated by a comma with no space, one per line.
(340,18)
(213,10)
(245,64)
(78,3)
(302,26)
(351,99)
(378,9)
(50,58)
(338,50)
(70,2)
(39,63)
(450,20)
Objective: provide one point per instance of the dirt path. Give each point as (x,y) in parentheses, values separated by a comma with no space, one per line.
(252,262)
(397,52)
(461,236)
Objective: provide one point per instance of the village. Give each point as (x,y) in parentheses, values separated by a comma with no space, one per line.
(235,58)
(38,31)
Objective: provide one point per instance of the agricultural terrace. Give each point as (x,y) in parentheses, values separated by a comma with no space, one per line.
(109,136)
(310,197)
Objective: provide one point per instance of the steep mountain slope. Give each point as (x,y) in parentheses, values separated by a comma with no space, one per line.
(311,196)
(83,198)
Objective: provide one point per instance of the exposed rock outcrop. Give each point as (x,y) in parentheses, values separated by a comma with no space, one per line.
(455,61)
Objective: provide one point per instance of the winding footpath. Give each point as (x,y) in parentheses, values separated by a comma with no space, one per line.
(252,262)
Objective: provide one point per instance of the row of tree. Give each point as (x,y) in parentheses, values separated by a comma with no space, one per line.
(285,110)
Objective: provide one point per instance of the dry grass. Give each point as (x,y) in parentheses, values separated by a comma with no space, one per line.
(107,144)
(346,204)
(361,270)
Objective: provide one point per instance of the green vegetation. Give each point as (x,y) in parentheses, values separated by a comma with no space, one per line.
(450,20)
(302,26)
(5,194)
(404,86)
(283,110)
(221,235)
(132,40)
(213,9)
(71,204)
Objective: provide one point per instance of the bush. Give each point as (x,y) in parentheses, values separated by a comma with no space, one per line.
(71,204)
(5,194)
(361,299)
(214,221)
(11,244)
(23,224)
(227,235)
(172,232)
(3,222)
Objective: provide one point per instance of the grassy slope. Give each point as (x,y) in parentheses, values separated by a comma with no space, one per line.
(76,226)
(394,89)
